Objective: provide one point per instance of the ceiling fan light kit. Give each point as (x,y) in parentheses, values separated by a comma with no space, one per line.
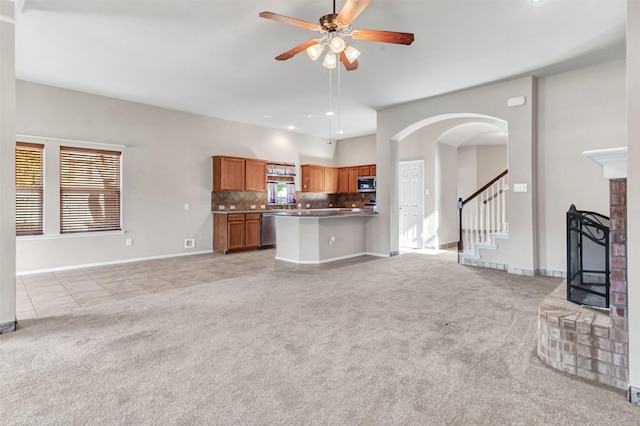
(334,28)
(315,51)
(330,60)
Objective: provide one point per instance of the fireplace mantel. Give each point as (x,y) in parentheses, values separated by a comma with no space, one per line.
(612,160)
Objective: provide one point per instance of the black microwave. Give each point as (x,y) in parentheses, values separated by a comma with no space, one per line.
(367,184)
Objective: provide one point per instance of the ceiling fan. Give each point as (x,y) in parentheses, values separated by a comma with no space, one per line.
(333,28)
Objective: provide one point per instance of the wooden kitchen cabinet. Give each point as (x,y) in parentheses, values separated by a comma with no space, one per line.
(236,232)
(330,180)
(312,178)
(251,230)
(228,173)
(364,171)
(353,179)
(255,175)
(239,174)
(372,169)
(343,180)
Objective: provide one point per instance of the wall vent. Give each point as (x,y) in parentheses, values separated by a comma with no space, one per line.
(189,243)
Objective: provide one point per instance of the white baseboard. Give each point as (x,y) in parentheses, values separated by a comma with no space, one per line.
(114,262)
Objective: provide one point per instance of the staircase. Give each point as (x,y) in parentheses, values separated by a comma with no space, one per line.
(482,218)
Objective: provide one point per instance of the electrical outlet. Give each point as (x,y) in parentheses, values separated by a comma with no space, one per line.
(262,206)
(129,242)
(308,206)
(187,206)
(232,207)
(253,207)
(221,207)
(189,243)
(353,205)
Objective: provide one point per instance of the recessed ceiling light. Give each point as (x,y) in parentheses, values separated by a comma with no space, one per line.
(330,113)
(340,132)
(268,116)
(309,115)
(291,127)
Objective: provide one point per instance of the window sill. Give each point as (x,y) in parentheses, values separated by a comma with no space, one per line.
(74,235)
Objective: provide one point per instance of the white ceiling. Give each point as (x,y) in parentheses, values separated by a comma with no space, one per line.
(216,58)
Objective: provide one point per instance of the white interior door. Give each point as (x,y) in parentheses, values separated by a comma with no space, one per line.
(411,203)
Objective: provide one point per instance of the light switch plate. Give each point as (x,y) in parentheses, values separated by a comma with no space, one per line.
(519,187)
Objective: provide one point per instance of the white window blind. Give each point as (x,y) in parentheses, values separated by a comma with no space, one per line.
(29,188)
(89,190)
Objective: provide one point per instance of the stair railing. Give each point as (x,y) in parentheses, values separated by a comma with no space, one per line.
(485,213)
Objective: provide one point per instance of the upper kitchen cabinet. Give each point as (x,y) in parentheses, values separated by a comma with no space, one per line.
(367,170)
(255,175)
(343,180)
(353,180)
(348,180)
(239,174)
(330,180)
(312,178)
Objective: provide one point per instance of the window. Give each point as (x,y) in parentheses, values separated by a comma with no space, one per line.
(89,190)
(29,188)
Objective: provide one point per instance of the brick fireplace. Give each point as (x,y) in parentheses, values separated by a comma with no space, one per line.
(594,343)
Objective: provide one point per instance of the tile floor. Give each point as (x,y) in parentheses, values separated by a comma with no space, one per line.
(55,293)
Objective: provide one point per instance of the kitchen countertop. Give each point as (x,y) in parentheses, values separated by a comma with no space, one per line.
(240,211)
(306,212)
(332,212)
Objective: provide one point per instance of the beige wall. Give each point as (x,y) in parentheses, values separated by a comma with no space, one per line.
(7,169)
(477,165)
(491,161)
(166,163)
(577,111)
(356,151)
(633,183)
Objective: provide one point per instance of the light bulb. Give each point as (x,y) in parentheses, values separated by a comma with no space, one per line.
(315,51)
(351,53)
(337,44)
(329,60)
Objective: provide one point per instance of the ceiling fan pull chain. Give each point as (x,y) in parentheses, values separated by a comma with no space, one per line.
(339,101)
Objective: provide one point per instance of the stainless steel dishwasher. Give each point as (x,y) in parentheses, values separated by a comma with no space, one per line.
(267,231)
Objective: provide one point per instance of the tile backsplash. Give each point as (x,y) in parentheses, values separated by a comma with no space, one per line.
(244,200)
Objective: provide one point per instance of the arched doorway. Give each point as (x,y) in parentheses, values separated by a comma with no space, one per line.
(490,101)
(427,210)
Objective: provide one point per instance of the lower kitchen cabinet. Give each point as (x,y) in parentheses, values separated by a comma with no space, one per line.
(236,232)
(252,230)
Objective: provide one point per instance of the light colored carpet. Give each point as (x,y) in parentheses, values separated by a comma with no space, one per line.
(412,339)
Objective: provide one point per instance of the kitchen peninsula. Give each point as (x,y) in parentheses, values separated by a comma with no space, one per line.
(321,235)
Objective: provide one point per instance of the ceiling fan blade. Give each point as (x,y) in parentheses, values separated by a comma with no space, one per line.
(349,66)
(299,48)
(351,10)
(383,36)
(288,20)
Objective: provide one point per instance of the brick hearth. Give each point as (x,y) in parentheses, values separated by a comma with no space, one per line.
(592,343)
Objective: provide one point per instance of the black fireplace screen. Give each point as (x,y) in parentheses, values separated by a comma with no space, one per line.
(587,258)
